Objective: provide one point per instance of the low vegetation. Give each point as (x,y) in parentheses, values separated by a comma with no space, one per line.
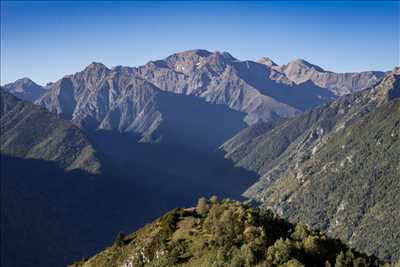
(227,233)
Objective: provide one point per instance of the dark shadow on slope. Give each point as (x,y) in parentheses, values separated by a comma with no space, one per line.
(51,217)
(186,163)
(179,174)
(302,96)
(191,122)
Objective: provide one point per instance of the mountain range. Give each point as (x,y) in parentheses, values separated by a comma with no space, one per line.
(122,98)
(194,124)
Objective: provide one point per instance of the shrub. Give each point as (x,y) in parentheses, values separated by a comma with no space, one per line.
(119,239)
(202,206)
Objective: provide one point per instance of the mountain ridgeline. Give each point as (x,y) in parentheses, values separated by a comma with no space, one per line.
(335,167)
(125,98)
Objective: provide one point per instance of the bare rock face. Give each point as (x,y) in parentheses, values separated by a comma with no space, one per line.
(125,99)
(100,98)
(25,89)
(215,77)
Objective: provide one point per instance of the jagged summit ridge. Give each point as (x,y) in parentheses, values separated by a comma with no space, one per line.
(92,97)
(123,97)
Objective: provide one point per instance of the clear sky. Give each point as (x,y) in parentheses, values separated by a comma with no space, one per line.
(47,40)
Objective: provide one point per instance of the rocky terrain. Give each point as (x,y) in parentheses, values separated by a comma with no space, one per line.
(126,99)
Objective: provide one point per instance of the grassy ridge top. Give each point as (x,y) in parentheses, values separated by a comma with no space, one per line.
(226,233)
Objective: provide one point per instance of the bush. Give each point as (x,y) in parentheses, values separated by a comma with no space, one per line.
(119,239)
(202,206)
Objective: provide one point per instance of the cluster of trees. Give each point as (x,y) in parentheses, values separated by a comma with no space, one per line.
(244,236)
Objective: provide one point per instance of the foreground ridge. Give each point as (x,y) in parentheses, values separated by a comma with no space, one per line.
(226,233)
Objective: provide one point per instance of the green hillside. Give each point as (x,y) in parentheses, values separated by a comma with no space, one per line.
(226,233)
(336,167)
(30,131)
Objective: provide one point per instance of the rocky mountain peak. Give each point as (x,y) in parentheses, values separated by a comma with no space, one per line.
(188,61)
(184,62)
(267,61)
(303,64)
(197,52)
(96,67)
(226,56)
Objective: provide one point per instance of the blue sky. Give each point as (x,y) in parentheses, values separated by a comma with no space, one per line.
(47,40)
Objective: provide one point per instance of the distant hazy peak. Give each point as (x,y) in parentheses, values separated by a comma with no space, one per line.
(25,89)
(22,82)
(267,61)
